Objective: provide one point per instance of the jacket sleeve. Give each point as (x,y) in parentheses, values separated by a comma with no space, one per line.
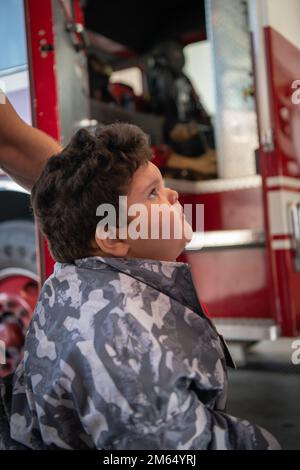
(124,404)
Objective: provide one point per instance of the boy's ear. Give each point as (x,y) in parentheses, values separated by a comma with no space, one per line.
(112,245)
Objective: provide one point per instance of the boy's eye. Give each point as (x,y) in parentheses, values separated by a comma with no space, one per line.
(153,193)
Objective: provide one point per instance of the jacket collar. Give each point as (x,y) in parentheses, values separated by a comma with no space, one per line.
(169,277)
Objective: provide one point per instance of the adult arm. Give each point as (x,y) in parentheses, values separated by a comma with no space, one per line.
(24,150)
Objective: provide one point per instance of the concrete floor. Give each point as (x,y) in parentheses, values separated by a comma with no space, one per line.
(267,391)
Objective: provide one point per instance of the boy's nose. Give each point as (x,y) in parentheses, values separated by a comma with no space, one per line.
(173,196)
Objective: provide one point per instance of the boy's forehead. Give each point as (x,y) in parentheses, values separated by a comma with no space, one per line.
(144,176)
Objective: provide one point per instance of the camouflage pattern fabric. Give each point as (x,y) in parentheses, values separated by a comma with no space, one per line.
(6,442)
(120,355)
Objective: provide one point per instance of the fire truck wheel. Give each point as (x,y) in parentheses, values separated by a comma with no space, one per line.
(18,245)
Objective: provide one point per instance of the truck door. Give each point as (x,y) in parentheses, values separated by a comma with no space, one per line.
(276,47)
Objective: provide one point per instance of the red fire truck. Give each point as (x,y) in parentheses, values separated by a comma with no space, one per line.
(246,265)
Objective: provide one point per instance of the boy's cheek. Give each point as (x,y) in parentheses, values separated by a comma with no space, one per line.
(172,225)
(188,230)
(178,228)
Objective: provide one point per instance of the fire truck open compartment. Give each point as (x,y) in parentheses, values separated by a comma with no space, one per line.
(132,47)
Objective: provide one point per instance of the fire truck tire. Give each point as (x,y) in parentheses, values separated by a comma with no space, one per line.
(18,245)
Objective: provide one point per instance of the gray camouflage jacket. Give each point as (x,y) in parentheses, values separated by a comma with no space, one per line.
(120,355)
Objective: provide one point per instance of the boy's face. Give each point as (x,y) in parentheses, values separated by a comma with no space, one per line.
(172,231)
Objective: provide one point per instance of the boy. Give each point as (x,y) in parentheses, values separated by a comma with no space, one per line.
(119,353)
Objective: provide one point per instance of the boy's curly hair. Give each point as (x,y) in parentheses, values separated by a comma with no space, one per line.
(91,170)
